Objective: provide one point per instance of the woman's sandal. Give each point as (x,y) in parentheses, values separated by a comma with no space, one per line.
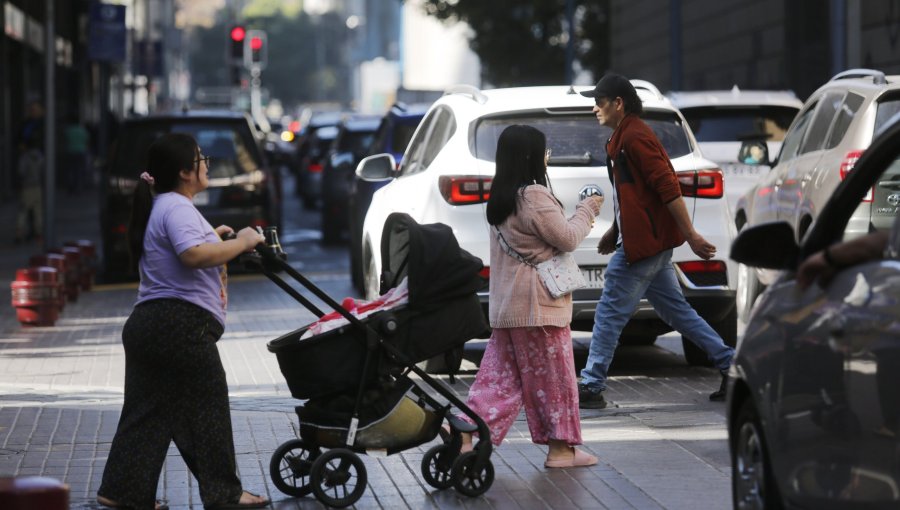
(580,459)
(160,504)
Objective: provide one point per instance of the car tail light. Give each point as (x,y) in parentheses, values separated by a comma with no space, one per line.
(701,183)
(847,166)
(485,272)
(119,228)
(704,273)
(464,189)
(315,168)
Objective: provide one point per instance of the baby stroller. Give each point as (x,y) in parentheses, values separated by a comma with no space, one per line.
(356,378)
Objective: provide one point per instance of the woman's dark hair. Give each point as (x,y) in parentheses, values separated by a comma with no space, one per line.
(166,158)
(520,162)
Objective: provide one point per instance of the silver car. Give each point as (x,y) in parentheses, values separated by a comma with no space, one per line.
(814,400)
(822,145)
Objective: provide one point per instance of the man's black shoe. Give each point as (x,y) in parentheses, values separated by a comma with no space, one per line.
(720,394)
(588,399)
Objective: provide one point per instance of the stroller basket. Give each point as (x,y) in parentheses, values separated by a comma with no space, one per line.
(392,418)
(333,362)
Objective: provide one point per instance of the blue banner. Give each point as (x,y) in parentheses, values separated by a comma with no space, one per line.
(106,32)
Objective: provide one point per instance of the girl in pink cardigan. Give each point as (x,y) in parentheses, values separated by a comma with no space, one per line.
(529,357)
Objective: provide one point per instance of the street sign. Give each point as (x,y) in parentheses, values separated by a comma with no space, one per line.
(106,32)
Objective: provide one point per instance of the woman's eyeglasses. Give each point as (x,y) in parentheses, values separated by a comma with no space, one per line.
(207,159)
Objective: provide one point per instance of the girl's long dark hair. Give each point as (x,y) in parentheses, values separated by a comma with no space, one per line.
(520,162)
(166,158)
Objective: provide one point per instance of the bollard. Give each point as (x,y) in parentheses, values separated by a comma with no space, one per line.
(88,261)
(58,262)
(34,296)
(33,492)
(73,274)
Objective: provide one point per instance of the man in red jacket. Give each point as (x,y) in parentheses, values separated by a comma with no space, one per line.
(650,220)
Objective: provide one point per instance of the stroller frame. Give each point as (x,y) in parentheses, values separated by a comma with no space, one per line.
(300,466)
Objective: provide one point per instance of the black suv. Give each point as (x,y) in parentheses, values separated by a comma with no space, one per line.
(243,190)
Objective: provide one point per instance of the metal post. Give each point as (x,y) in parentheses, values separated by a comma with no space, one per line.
(570,45)
(675,43)
(50,125)
(255,96)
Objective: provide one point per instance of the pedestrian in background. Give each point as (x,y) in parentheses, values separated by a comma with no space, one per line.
(651,219)
(30,173)
(76,139)
(175,385)
(529,358)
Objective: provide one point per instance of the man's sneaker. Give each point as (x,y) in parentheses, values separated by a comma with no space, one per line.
(589,399)
(720,394)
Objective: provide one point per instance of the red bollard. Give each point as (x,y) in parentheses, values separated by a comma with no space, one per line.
(33,492)
(88,261)
(73,271)
(34,296)
(58,262)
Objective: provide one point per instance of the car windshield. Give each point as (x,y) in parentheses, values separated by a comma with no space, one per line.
(356,142)
(230,148)
(734,123)
(402,135)
(577,138)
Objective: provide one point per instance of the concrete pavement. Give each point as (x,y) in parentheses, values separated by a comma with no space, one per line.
(662,446)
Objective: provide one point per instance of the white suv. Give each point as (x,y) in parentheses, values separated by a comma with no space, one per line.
(722,119)
(446,177)
(837,123)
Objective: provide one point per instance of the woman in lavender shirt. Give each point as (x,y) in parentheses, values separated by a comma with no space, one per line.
(175,386)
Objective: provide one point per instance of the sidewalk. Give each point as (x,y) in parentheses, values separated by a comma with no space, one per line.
(662,447)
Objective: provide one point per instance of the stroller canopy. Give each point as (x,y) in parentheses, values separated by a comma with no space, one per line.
(430,256)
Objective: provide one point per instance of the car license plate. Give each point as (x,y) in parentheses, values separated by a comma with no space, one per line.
(593,275)
(201,198)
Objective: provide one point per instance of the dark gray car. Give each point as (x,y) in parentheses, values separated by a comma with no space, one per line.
(814,403)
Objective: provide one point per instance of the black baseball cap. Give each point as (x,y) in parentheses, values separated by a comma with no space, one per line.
(612,86)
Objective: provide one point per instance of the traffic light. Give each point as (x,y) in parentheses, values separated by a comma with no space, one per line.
(255,51)
(237,35)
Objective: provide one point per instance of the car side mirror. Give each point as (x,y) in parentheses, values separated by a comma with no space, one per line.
(376,168)
(767,245)
(754,152)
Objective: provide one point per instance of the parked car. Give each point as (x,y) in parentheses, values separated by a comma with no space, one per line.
(355,135)
(243,190)
(446,177)
(722,119)
(813,401)
(393,135)
(314,142)
(823,143)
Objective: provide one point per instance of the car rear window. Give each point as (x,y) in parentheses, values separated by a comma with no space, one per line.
(229,145)
(887,108)
(356,142)
(730,124)
(577,138)
(402,135)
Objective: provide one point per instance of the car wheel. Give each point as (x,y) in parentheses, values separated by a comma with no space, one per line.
(752,481)
(748,290)
(726,328)
(371,279)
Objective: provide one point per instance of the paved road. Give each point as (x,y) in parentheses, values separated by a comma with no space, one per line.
(662,446)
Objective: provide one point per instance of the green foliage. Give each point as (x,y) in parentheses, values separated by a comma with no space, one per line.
(524,42)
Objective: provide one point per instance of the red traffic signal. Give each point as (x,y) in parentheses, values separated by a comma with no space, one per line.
(237,34)
(256,43)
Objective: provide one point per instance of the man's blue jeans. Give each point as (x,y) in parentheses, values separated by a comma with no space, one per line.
(625,285)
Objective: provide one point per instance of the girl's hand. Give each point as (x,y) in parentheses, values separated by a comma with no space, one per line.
(223,231)
(251,237)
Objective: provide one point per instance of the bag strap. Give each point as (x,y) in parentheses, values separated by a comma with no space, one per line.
(510,250)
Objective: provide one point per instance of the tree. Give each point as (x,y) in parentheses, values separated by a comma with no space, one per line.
(524,42)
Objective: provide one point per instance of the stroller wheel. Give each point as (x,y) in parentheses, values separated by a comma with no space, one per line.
(290,466)
(436,466)
(468,481)
(338,478)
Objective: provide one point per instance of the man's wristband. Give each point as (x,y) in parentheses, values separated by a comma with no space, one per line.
(826,254)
